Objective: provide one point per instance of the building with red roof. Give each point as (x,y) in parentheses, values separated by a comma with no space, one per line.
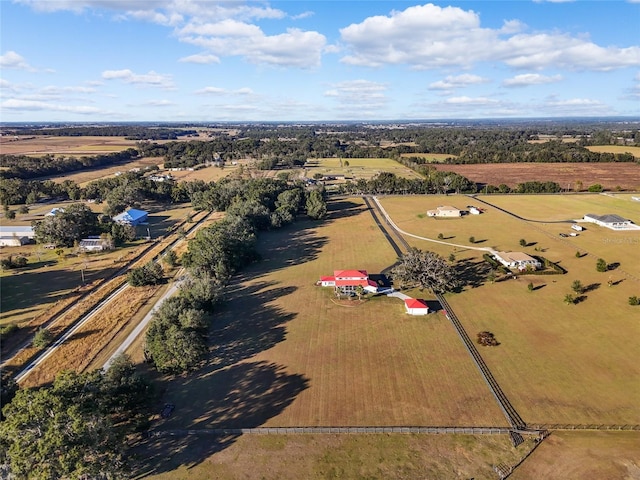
(415,306)
(348,280)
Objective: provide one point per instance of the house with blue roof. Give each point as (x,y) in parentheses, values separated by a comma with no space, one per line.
(132,217)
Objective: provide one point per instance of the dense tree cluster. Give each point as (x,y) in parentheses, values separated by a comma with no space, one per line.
(76,427)
(25,167)
(149,274)
(131,132)
(66,227)
(435,181)
(425,270)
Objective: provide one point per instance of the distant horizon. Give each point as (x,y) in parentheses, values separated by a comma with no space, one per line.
(296,61)
(448,121)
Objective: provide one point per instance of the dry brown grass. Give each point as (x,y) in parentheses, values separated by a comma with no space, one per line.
(584,455)
(556,363)
(609,175)
(77,352)
(316,457)
(78,146)
(327,364)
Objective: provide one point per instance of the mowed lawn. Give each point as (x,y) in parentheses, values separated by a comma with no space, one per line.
(557,363)
(284,354)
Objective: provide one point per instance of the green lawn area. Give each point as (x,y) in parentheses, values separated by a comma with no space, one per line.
(557,363)
(358,167)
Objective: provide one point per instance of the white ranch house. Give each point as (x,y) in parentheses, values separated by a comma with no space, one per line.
(445,211)
(611,221)
(517,260)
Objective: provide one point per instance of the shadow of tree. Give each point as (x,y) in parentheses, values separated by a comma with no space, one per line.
(245,395)
(472,274)
(591,287)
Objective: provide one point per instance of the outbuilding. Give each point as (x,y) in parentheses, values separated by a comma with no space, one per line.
(132,217)
(16,235)
(415,306)
(445,211)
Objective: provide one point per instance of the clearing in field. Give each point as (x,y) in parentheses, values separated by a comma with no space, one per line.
(357,168)
(76,146)
(557,363)
(635,151)
(285,354)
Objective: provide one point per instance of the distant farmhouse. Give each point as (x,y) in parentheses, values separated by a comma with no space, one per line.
(445,211)
(132,217)
(16,236)
(614,222)
(348,280)
(517,260)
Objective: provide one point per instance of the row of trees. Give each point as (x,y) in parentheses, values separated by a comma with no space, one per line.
(389,183)
(176,340)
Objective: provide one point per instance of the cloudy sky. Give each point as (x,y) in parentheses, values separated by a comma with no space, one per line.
(209,60)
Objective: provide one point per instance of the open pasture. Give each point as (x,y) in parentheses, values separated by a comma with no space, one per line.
(285,354)
(557,363)
(77,146)
(319,457)
(357,168)
(616,149)
(585,455)
(609,175)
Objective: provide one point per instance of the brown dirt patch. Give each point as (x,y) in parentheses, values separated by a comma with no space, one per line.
(609,175)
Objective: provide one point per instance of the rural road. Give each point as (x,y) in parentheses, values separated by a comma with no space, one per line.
(143,324)
(398,229)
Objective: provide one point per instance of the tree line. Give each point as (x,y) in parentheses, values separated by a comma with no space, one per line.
(176,340)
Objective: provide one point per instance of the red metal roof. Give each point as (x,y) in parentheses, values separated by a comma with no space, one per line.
(415,303)
(351,273)
(327,279)
(347,283)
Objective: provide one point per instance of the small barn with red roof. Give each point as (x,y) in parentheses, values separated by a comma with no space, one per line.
(415,306)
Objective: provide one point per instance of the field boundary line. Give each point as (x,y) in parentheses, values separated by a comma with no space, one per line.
(434,430)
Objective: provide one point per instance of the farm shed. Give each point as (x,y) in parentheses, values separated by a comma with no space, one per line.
(517,260)
(54,211)
(614,222)
(93,245)
(16,236)
(415,306)
(445,211)
(132,217)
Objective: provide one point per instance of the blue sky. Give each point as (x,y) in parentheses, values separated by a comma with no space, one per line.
(207,60)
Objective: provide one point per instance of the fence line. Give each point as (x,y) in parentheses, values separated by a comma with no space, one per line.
(332,431)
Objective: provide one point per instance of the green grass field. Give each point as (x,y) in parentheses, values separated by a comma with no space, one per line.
(358,167)
(557,363)
(616,149)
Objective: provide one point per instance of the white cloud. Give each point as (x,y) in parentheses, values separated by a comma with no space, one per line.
(359,98)
(526,79)
(220,27)
(13,60)
(429,36)
(457,81)
(32,105)
(224,91)
(470,101)
(575,107)
(151,79)
(53,90)
(294,48)
(159,103)
(200,58)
